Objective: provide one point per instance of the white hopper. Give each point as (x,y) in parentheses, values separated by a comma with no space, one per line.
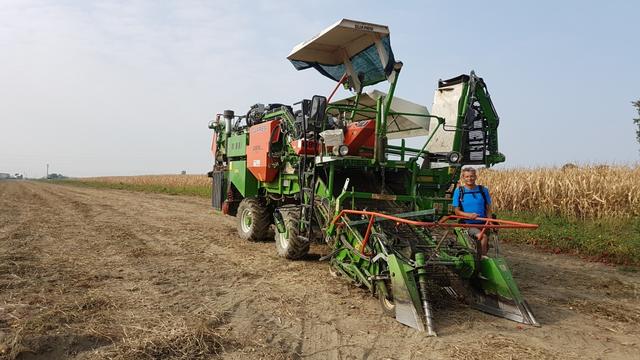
(398,126)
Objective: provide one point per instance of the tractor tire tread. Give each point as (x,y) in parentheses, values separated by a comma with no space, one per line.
(297,248)
(260,223)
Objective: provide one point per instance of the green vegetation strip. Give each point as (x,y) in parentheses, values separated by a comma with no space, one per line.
(151,188)
(615,240)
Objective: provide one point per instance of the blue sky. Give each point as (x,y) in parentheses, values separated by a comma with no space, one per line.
(127,87)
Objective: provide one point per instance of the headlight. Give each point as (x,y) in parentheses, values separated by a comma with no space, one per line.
(454,157)
(341,150)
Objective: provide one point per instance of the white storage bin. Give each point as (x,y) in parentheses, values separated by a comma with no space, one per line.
(333,137)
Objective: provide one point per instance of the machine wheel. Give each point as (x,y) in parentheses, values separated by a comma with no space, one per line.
(254,220)
(288,245)
(387,304)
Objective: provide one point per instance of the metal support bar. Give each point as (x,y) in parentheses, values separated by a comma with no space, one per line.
(367,234)
(440,123)
(372,215)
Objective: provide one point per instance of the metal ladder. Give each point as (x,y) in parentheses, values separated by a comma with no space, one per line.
(307,180)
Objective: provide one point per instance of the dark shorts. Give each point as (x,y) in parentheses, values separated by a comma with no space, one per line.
(473,232)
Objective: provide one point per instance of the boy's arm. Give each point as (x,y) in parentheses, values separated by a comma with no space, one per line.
(465,214)
(489,212)
(489,204)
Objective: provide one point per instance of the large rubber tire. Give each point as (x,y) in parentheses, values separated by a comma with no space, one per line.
(254,219)
(288,245)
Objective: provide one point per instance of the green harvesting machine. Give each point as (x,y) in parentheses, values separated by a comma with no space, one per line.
(348,173)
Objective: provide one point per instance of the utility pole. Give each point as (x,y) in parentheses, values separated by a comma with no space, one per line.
(47,171)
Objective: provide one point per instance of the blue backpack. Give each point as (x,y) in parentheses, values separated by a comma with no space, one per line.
(461,195)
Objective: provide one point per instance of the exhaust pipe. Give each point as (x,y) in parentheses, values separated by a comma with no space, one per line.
(228,116)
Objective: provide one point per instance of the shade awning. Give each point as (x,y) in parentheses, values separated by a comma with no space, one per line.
(351,47)
(398,126)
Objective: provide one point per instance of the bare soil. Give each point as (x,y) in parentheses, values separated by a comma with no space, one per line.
(98,274)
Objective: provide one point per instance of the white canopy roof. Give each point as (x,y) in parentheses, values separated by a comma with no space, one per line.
(348,46)
(338,42)
(398,126)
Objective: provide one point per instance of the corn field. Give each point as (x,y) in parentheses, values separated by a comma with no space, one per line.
(586,192)
(173,181)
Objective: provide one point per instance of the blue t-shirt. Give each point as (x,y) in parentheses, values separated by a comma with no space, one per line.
(472,202)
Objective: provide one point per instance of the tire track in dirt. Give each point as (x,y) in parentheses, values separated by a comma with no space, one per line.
(128,275)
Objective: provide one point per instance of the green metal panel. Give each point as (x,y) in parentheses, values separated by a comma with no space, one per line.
(497,279)
(433,176)
(237,145)
(242,179)
(494,156)
(284,184)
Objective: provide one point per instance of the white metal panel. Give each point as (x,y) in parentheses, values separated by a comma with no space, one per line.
(345,35)
(398,127)
(445,104)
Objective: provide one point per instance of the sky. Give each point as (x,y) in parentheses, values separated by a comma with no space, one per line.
(128,87)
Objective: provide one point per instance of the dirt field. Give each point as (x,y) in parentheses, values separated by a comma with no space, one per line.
(97,274)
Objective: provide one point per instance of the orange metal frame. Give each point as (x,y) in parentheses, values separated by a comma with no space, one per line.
(443,222)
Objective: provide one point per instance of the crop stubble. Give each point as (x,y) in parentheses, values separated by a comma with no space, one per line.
(89,273)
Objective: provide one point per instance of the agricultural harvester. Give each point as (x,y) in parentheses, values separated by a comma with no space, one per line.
(344,173)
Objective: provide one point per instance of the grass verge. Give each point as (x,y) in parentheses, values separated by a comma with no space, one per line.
(610,240)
